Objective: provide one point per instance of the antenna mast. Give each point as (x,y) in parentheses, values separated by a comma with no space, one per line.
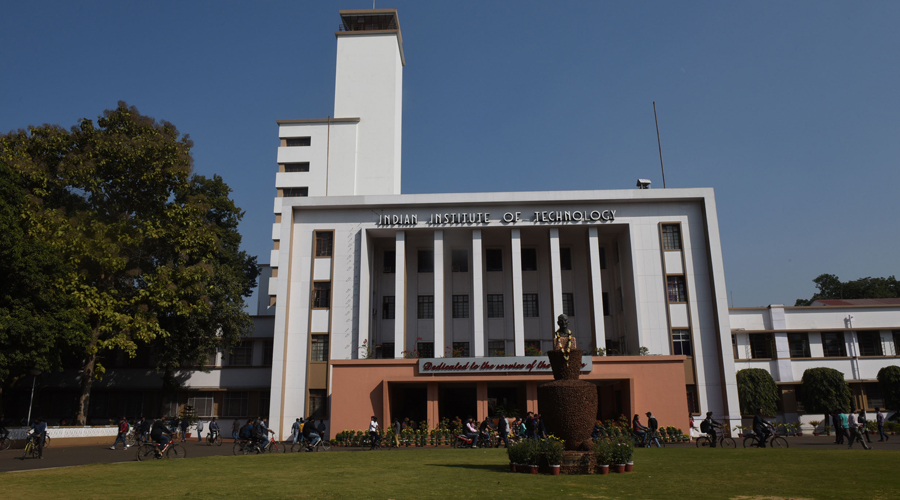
(660,145)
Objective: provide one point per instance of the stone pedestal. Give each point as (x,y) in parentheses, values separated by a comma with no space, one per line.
(568,405)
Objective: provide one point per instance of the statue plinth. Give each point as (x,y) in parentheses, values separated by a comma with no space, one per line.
(568,405)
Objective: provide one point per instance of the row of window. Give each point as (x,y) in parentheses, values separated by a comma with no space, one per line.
(493,260)
(458,350)
(762,345)
(460,306)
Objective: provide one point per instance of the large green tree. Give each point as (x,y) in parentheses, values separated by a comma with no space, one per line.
(757,389)
(831,287)
(824,390)
(116,207)
(39,323)
(889,381)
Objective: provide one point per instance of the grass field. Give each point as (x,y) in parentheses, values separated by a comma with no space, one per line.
(483,474)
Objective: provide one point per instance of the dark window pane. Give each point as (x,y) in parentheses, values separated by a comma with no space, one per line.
(426,261)
(565,259)
(426,349)
(319,348)
(387,350)
(798,344)
(390,259)
(460,306)
(460,261)
(295,192)
(293,142)
(869,343)
(761,346)
(833,344)
(493,259)
(530,305)
(529,259)
(495,305)
(681,342)
(241,354)
(322,294)
(317,403)
(602,258)
(605,298)
(297,167)
(671,237)
(568,304)
(425,307)
(324,243)
(460,350)
(497,348)
(387,307)
(676,291)
(268,352)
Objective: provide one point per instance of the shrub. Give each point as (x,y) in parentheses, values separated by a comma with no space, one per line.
(889,380)
(823,390)
(603,451)
(757,389)
(552,448)
(622,451)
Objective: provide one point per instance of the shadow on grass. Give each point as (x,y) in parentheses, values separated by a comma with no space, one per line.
(492,468)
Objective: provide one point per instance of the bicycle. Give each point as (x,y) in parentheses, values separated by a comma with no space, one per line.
(723,441)
(273,446)
(651,437)
(245,447)
(31,447)
(150,451)
(213,438)
(775,441)
(5,443)
(321,444)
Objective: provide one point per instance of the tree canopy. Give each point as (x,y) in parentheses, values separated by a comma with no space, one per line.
(150,255)
(831,287)
(757,389)
(889,382)
(824,390)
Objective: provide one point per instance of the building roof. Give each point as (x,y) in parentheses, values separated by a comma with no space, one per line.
(856,302)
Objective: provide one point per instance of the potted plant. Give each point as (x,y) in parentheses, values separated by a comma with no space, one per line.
(514,452)
(603,454)
(552,449)
(627,446)
(532,455)
(815,426)
(619,455)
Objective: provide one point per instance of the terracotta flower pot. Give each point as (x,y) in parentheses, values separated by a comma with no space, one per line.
(619,468)
(533,469)
(602,469)
(629,466)
(512,467)
(554,470)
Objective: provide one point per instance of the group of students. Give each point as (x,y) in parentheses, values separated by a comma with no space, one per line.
(853,427)
(176,426)
(307,430)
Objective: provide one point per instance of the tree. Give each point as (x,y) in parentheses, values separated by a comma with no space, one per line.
(889,380)
(39,324)
(823,390)
(757,389)
(137,252)
(831,287)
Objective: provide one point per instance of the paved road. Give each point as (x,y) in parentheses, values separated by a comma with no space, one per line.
(82,455)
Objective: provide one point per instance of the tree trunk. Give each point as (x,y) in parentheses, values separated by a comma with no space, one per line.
(87,381)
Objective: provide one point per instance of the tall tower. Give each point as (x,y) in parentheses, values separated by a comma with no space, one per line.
(369,84)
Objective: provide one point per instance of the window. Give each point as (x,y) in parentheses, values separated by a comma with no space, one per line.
(322,294)
(387,307)
(387,350)
(734,345)
(235,404)
(530,305)
(497,348)
(389,261)
(460,349)
(671,234)
(318,350)
(675,286)
(295,192)
(426,349)
(268,352)
(874,396)
(569,304)
(693,407)
(833,344)
(602,258)
(533,348)
(459,261)
(263,404)
(324,243)
(241,354)
(529,259)
(203,404)
(605,299)
(426,261)
(293,142)
(565,259)
(495,305)
(798,344)
(297,167)
(681,342)
(493,260)
(896,335)
(621,299)
(869,343)
(761,346)
(426,307)
(317,403)
(460,306)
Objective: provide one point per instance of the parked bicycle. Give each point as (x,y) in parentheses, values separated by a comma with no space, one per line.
(776,441)
(723,440)
(150,451)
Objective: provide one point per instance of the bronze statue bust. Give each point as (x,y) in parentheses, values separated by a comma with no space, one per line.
(563,339)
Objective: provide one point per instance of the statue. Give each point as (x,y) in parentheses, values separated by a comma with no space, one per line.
(563,338)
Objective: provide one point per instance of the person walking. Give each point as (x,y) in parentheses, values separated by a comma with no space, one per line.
(879,421)
(236,430)
(864,425)
(199,430)
(853,428)
(838,428)
(845,427)
(503,431)
(295,431)
(397,431)
(123,431)
(373,431)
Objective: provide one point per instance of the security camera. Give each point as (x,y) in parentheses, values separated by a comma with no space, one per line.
(643,183)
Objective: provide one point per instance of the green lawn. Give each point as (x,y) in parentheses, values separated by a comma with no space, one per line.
(450,474)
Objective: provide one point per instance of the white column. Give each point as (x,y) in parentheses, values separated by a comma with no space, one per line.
(400,295)
(596,288)
(518,318)
(784,372)
(364,314)
(555,274)
(439,294)
(477,295)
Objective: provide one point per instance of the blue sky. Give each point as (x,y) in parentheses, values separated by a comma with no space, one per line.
(790,110)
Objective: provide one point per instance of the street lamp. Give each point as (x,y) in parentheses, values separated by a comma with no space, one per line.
(34,373)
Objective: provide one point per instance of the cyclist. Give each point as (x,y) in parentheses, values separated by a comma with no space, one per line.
(652,430)
(761,427)
(471,432)
(639,430)
(4,434)
(709,427)
(39,434)
(373,431)
(213,430)
(264,431)
(144,429)
(160,434)
(309,433)
(483,432)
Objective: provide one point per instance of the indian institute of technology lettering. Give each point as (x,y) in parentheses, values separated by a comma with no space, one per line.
(556,216)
